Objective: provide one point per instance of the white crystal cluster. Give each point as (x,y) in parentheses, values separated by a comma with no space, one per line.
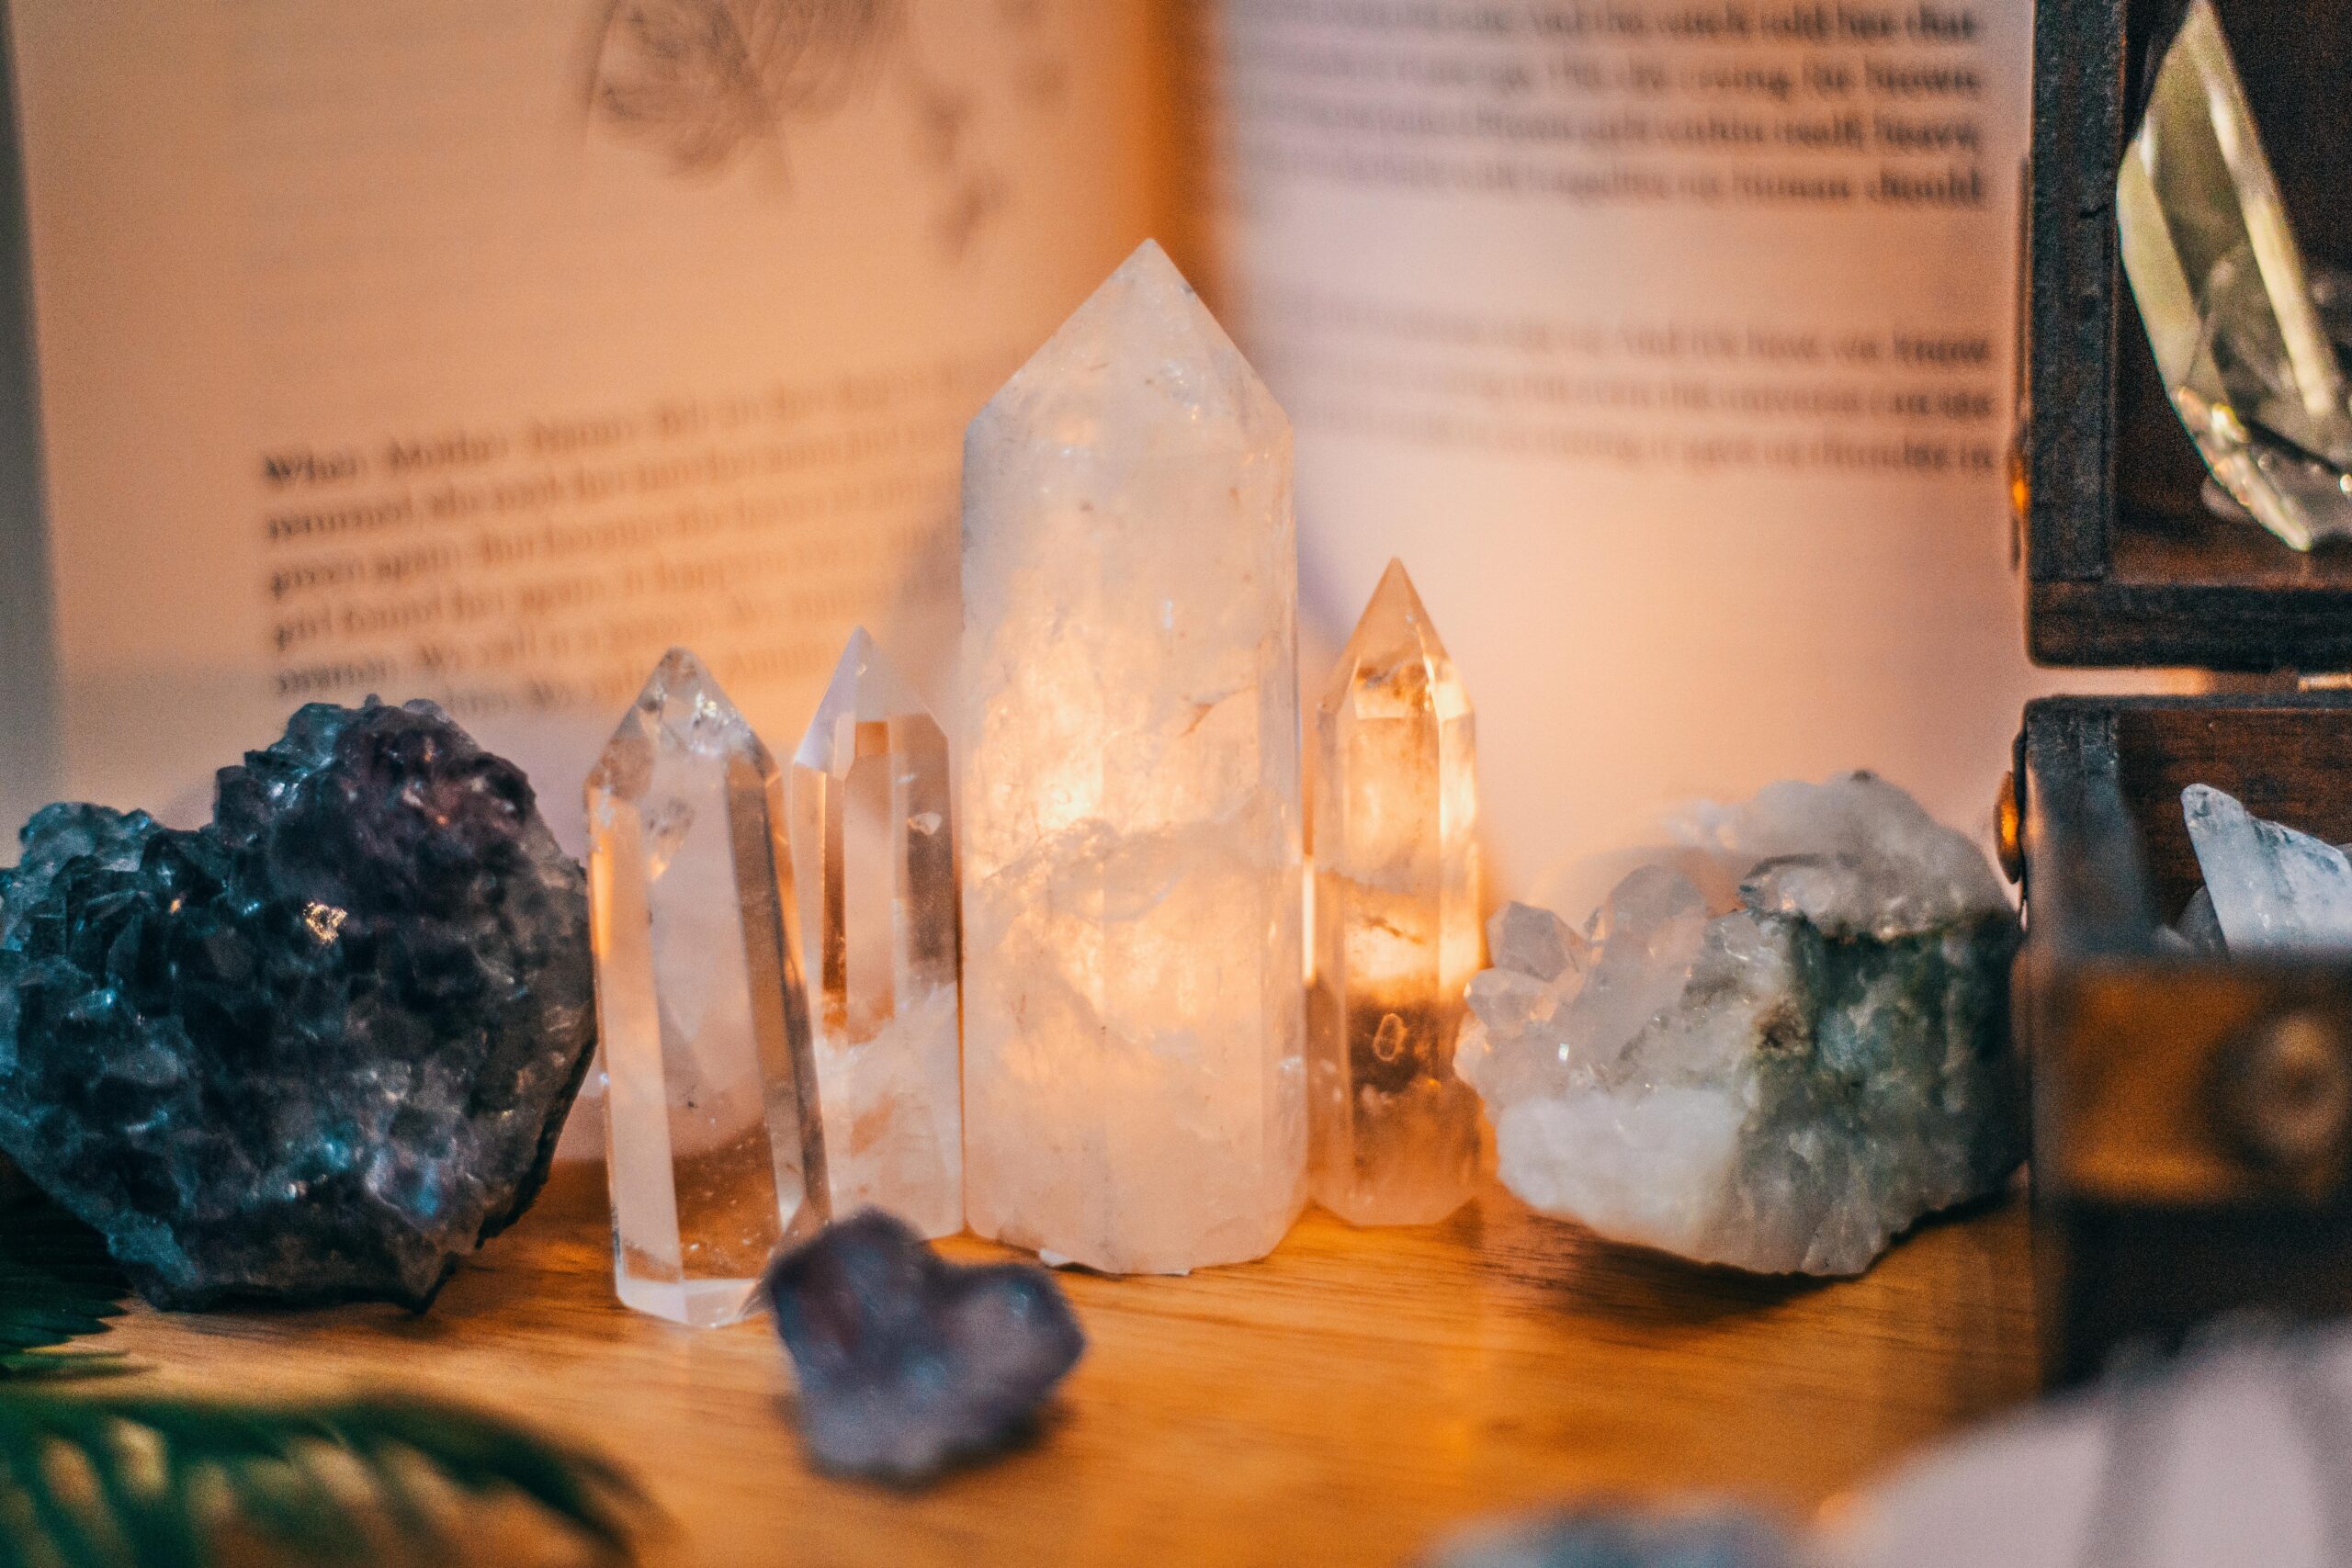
(1778,1043)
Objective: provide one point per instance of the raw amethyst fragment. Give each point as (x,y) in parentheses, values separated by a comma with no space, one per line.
(317,1049)
(908,1362)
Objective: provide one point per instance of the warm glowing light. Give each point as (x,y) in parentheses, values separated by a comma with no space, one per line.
(1134,1081)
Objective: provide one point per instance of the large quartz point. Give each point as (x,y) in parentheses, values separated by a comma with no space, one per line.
(873,861)
(2223,288)
(1134,1087)
(714,1145)
(2269,888)
(1775,1046)
(1393,1132)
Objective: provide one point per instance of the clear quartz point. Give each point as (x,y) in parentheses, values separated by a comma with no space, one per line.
(2269,888)
(873,861)
(714,1145)
(2237,329)
(1133,1078)
(1394,1132)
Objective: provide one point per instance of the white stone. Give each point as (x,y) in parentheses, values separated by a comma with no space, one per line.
(874,863)
(1134,1083)
(2272,889)
(1778,1069)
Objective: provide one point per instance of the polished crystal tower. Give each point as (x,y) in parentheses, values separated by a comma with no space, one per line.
(1133,1082)
(873,861)
(714,1147)
(2236,332)
(1394,1133)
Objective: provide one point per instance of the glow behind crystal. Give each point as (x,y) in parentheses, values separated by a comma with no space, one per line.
(873,861)
(1396,938)
(715,1152)
(2223,291)
(1134,1081)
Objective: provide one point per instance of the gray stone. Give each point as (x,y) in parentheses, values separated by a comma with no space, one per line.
(1622,1538)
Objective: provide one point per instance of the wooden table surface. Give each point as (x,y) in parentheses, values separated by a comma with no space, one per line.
(1339,1403)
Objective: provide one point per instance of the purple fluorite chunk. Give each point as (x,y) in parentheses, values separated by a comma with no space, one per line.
(316,1050)
(908,1362)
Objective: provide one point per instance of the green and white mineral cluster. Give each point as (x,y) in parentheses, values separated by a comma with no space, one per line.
(1778,1043)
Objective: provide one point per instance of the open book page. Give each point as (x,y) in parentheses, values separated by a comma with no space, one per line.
(1671,344)
(480,352)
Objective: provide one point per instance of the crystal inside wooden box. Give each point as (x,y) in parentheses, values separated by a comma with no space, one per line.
(2193,1117)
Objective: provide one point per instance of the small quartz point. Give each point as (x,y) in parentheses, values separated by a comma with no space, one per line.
(908,1364)
(2237,330)
(1394,1132)
(2271,889)
(873,861)
(1134,1076)
(1778,1043)
(714,1145)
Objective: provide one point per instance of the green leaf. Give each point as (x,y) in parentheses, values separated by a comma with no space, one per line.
(126,1480)
(56,1284)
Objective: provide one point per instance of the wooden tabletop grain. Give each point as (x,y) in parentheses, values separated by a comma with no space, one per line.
(1341,1402)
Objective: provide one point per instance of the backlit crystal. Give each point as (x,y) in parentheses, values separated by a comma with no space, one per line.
(874,863)
(1396,821)
(714,1145)
(2223,291)
(1133,1021)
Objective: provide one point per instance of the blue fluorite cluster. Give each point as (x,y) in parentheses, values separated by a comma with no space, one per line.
(317,1049)
(909,1364)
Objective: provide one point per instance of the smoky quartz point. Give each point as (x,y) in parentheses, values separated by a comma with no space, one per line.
(317,1049)
(2236,317)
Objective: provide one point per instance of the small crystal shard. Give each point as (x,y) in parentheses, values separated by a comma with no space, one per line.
(1134,1089)
(1778,1070)
(908,1364)
(873,861)
(2237,331)
(2271,889)
(317,1049)
(1394,1132)
(714,1145)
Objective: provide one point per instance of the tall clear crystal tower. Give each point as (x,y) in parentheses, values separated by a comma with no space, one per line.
(2236,331)
(714,1145)
(1396,935)
(873,861)
(1134,1084)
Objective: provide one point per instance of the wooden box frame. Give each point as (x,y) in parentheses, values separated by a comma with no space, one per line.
(2192,1116)
(2135,572)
